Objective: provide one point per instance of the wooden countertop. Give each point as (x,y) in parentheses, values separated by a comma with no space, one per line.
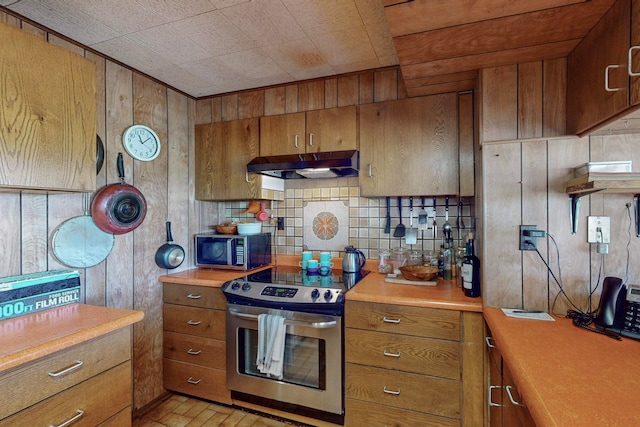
(568,376)
(205,276)
(32,336)
(372,288)
(445,295)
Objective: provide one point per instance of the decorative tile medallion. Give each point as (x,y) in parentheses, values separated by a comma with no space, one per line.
(326,225)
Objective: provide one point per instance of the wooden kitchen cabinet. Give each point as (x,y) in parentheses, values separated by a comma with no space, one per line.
(407,366)
(222,152)
(47,115)
(331,129)
(506,407)
(603,55)
(194,347)
(90,381)
(409,147)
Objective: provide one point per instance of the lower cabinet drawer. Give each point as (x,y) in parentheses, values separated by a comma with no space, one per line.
(91,402)
(421,393)
(202,322)
(45,377)
(121,419)
(364,414)
(425,356)
(197,350)
(195,380)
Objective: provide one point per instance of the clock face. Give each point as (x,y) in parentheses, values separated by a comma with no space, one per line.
(141,143)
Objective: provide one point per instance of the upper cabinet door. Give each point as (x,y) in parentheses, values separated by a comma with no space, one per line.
(282,134)
(222,152)
(333,129)
(598,81)
(409,147)
(47,115)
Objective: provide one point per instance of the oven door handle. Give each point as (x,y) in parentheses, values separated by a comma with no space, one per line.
(318,325)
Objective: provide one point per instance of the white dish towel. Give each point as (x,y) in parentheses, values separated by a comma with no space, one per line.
(271,336)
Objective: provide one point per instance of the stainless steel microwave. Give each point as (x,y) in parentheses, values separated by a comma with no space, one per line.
(233,252)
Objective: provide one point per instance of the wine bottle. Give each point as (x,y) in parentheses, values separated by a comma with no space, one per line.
(471,270)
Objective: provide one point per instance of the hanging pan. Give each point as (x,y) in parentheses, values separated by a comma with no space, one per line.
(169,255)
(79,243)
(118,208)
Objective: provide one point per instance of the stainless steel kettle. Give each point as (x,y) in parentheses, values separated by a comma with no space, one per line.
(353,260)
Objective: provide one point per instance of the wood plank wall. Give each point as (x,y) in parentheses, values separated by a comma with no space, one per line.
(128,278)
(525,164)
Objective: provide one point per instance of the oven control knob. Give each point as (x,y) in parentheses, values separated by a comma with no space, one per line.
(327,294)
(235,286)
(246,286)
(315,293)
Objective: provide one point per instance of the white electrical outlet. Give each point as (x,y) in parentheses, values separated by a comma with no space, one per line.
(598,229)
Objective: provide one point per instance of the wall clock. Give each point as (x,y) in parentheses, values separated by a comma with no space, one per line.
(141,142)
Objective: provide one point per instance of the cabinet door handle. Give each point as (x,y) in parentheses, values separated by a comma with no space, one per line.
(192,296)
(515,402)
(246,176)
(491,388)
(370,170)
(489,341)
(396,392)
(193,322)
(295,141)
(386,353)
(310,140)
(192,381)
(630,66)
(76,417)
(606,79)
(194,352)
(387,320)
(66,370)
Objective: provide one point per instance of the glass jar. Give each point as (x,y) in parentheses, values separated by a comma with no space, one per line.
(398,259)
(385,266)
(415,258)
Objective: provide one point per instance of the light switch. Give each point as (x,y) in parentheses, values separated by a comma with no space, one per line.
(599,229)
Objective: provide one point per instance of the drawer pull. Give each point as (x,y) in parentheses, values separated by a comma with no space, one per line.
(193,322)
(387,320)
(192,296)
(192,381)
(386,353)
(489,341)
(66,370)
(194,352)
(491,388)
(76,417)
(515,402)
(391,391)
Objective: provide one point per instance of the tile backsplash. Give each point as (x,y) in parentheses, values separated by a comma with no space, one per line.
(366,221)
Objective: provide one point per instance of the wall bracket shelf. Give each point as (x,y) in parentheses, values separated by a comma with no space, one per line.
(629,186)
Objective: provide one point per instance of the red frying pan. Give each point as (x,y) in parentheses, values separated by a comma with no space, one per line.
(118,208)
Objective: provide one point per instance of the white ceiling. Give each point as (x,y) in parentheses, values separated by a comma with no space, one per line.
(209,47)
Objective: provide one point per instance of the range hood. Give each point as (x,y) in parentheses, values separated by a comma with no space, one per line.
(329,164)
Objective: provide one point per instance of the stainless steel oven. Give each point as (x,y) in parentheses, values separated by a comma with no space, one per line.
(312,381)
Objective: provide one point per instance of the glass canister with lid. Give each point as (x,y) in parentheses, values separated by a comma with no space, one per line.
(399,257)
(385,266)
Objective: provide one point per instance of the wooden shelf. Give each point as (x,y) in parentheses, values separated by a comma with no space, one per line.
(607,186)
(621,186)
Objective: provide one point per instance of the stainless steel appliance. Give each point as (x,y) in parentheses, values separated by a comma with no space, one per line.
(234,252)
(312,380)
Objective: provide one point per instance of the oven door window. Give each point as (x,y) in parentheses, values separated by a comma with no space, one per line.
(304,359)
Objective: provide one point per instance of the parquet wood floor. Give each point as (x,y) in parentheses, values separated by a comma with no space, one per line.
(184,411)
